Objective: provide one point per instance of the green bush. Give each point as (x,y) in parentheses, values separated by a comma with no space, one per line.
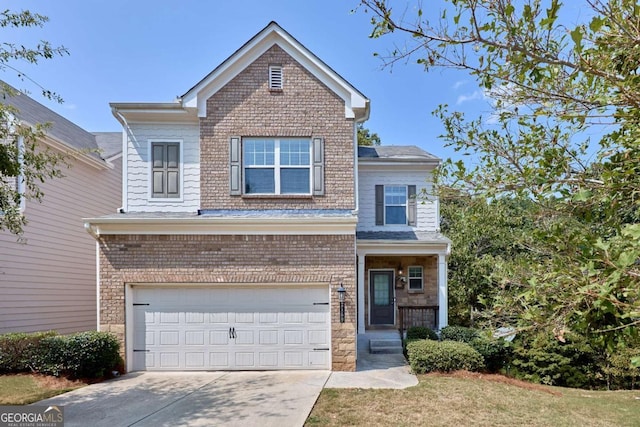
(459,333)
(85,354)
(17,350)
(544,359)
(91,354)
(421,333)
(495,352)
(444,356)
(619,370)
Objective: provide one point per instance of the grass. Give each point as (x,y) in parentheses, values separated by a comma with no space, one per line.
(463,399)
(23,389)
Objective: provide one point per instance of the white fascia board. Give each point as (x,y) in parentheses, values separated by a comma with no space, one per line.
(222,226)
(395,164)
(356,105)
(153,113)
(402,247)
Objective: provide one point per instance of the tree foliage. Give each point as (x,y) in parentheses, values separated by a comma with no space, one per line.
(564,133)
(24,163)
(366,137)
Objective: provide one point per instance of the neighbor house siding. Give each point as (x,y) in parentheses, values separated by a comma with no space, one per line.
(231,260)
(303,108)
(427,206)
(49,281)
(138,159)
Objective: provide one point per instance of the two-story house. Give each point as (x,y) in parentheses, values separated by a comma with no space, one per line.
(254,233)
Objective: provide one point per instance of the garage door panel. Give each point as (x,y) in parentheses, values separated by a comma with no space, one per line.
(187,330)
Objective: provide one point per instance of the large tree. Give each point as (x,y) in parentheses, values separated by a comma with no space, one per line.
(564,133)
(24,164)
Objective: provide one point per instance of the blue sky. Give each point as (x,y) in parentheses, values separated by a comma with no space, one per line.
(153,51)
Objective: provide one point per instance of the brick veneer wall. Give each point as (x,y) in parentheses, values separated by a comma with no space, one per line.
(429,293)
(130,259)
(304,108)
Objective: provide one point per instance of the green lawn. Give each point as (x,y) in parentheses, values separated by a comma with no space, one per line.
(25,389)
(465,399)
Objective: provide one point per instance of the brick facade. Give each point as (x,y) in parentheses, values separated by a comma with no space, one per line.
(429,294)
(304,108)
(254,259)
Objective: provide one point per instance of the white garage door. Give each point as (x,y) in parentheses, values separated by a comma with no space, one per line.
(191,328)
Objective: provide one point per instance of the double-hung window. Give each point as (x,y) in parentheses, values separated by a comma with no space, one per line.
(415,278)
(165,170)
(277,166)
(396,205)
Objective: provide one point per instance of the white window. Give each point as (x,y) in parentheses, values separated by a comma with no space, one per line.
(275,77)
(277,166)
(395,205)
(415,278)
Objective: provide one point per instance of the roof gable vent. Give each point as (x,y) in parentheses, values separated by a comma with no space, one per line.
(275,77)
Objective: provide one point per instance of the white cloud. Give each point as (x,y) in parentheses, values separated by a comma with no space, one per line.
(457,85)
(478,94)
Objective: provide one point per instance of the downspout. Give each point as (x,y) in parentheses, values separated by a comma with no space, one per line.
(92,230)
(126,129)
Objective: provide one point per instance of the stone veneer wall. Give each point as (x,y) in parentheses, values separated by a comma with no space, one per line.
(305,107)
(429,293)
(130,259)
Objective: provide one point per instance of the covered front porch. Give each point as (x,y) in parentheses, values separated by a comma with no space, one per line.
(402,280)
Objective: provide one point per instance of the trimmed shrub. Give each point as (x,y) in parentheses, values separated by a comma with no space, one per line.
(91,354)
(17,350)
(444,356)
(459,333)
(421,333)
(81,355)
(495,352)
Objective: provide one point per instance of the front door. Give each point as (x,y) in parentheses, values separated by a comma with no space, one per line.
(382,300)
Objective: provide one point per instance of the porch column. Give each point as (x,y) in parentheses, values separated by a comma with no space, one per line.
(361,294)
(443,300)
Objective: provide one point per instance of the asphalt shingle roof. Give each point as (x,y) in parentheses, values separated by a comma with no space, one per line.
(394,152)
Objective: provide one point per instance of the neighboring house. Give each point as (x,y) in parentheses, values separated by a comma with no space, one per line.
(48,280)
(247,206)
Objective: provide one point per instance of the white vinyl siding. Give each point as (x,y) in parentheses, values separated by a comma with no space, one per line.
(139,158)
(49,281)
(427,209)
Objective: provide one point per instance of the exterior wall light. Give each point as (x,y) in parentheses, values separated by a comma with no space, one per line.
(341,291)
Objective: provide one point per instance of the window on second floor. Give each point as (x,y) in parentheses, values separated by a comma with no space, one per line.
(396,205)
(276,166)
(165,170)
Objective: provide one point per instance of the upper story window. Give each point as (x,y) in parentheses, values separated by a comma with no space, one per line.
(165,170)
(396,205)
(277,166)
(275,77)
(415,278)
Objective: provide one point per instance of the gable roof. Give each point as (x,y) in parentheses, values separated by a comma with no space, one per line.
(61,130)
(110,143)
(356,104)
(395,153)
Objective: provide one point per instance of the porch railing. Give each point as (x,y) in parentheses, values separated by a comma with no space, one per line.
(417,315)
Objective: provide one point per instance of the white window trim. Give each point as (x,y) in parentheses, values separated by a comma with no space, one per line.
(416,290)
(406,204)
(168,200)
(277,167)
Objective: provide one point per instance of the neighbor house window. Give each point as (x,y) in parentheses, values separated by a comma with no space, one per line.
(165,173)
(277,166)
(415,279)
(275,77)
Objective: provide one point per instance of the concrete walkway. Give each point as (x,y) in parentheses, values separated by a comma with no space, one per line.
(375,370)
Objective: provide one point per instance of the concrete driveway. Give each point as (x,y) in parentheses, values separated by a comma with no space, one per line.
(279,398)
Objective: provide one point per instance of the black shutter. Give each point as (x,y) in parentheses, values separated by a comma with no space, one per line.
(412,206)
(379,204)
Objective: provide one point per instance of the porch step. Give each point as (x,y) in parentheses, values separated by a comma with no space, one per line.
(385,346)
